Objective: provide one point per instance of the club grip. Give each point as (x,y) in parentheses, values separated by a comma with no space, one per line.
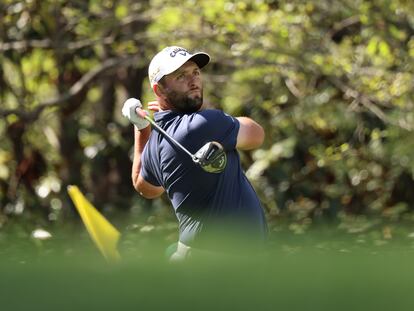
(141,113)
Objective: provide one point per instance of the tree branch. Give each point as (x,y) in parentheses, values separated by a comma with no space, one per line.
(292,88)
(347,22)
(368,103)
(48,44)
(22,45)
(78,87)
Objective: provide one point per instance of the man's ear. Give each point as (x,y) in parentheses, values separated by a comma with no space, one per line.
(158,90)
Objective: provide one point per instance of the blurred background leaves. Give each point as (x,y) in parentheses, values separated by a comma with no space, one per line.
(330,81)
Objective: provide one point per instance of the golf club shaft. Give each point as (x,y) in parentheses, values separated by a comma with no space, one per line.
(146,117)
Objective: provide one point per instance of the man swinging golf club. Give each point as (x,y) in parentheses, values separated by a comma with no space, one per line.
(192,155)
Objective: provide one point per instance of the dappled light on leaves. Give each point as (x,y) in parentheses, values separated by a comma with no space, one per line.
(330,82)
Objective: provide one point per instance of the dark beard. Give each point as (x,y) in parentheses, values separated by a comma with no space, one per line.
(184,103)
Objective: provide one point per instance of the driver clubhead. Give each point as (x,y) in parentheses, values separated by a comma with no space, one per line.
(211,157)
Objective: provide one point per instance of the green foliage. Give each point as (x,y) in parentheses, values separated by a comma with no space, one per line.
(373,270)
(330,81)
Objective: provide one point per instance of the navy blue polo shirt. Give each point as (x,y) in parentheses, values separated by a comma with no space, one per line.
(205,203)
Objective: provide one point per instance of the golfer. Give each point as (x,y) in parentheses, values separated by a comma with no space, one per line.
(214,210)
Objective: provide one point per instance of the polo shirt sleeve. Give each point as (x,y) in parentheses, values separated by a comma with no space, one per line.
(148,166)
(212,124)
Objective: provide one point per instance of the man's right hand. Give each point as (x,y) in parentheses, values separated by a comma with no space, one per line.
(154,106)
(129,111)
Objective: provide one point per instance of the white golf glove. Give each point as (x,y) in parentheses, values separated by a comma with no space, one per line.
(129,112)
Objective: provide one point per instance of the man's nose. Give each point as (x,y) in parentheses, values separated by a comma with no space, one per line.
(191,80)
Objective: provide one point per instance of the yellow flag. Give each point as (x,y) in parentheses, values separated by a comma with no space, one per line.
(102,232)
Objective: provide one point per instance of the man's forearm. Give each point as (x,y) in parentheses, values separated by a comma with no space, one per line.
(141,139)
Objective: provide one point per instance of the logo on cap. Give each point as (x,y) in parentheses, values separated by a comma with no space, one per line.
(180,51)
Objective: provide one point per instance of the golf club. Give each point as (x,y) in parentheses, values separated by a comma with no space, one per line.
(211,157)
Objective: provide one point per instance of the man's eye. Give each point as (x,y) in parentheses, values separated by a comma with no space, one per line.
(180,77)
(197,72)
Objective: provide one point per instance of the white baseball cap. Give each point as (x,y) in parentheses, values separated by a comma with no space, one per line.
(170,59)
